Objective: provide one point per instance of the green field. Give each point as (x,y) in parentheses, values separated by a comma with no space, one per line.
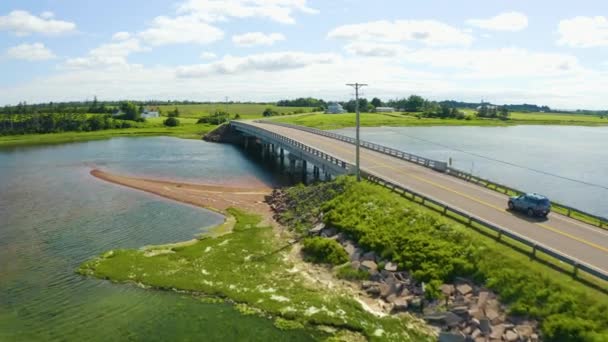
(336,121)
(245,110)
(152,127)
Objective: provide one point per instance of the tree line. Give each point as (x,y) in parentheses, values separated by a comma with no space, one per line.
(57,122)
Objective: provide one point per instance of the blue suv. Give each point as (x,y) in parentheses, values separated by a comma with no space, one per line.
(531,204)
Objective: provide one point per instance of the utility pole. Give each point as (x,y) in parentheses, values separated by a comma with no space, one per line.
(357,86)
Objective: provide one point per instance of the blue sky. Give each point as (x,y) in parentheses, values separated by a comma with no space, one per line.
(545,52)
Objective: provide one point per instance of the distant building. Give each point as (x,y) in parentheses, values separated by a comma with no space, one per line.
(385,109)
(334,108)
(150,113)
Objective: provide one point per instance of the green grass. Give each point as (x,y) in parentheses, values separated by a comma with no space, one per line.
(249,267)
(437,248)
(245,110)
(336,121)
(152,127)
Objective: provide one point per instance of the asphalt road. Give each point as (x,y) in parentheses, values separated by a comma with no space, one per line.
(578,240)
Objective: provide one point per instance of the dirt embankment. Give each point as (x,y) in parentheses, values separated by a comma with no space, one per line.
(214,197)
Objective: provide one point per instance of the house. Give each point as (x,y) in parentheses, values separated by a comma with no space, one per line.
(385,109)
(150,113)
(334,108)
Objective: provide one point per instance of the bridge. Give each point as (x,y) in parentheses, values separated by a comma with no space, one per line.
(569,241)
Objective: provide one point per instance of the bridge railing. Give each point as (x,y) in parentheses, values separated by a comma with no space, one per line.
(260,131)
(470,220)
(430,163)
(571,212)
(445,209)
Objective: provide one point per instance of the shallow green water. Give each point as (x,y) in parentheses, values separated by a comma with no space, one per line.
(54,215)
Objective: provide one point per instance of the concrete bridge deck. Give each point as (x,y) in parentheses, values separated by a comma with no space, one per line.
(579,241)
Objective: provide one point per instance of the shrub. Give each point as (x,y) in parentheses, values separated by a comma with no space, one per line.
(324,251)
(349,273)
(171,122)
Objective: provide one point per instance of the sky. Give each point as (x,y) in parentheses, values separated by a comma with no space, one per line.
(502,51)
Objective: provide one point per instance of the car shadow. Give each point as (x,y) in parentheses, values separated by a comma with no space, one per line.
(524,216)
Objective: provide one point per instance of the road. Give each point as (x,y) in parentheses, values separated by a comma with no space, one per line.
(578,240)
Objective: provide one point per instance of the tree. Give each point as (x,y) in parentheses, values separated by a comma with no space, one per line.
(414,103)
(503,113)
(269,112)
(130,110)
(171,122)
(174,113)
(376,102)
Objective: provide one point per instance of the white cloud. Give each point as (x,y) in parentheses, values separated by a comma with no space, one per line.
(47,15)
(367,49)
(267,62)
(120,36)
(584,32)
(221,10)
(208,55)
(508,21)
(30,52)
(427,32)
(256,38)
(22,23)
(107,55)
(180,30)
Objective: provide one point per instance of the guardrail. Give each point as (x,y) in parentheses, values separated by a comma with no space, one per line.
(329,158)
(571,212)
(442,207)
(430,163)
(445,209)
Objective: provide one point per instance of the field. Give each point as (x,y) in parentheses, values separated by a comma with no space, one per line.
(245,110)
(335,121)
(152,127)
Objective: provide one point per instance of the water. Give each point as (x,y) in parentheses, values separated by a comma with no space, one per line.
(579,153)
(54,215)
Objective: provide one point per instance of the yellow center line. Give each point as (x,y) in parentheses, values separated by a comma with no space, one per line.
(553,229)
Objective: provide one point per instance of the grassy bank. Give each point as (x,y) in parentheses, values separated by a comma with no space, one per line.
(336,121)
(437,249)
(245,110)
(152,127)
(250,266)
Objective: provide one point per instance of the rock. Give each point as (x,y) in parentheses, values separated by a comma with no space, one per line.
(399,304)
(316,230)
(481,300)
(480,339)
(452,320)
(534,337)
(415,303)
(355,264)
(447,289)
(493,316)
(451,337)
(367,284)
(385,290)
(476,333)
(369,256)
(474,322)
(460,310)
(511,336)
(436,318)
(373,290)
(475,312)
(464,289)
(390,266)
(497,331)
(329,232)
(524,330)
(369,266)
(485,326)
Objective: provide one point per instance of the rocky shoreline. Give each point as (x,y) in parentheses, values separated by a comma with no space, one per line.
(465,311)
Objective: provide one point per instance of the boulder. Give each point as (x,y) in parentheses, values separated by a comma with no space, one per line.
(316,230)
(476,333)
(447,289)
(475,312)
(524,330)
(451,337)
(373,290)
(511,336)
(497,331)
(475,322)
(329,232)
(369,266)
(355,264)
(534,337)
(369,256)
(452,320)
(492,315)
(390,266)
(385,290)
(367,284)
(485,326)
(462,311)
(436,318)
(399,304)
(464,289)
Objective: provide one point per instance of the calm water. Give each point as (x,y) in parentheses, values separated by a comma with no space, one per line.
(54,215)
(578,153)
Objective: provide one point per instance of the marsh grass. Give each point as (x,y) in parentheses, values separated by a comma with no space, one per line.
(249,266)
